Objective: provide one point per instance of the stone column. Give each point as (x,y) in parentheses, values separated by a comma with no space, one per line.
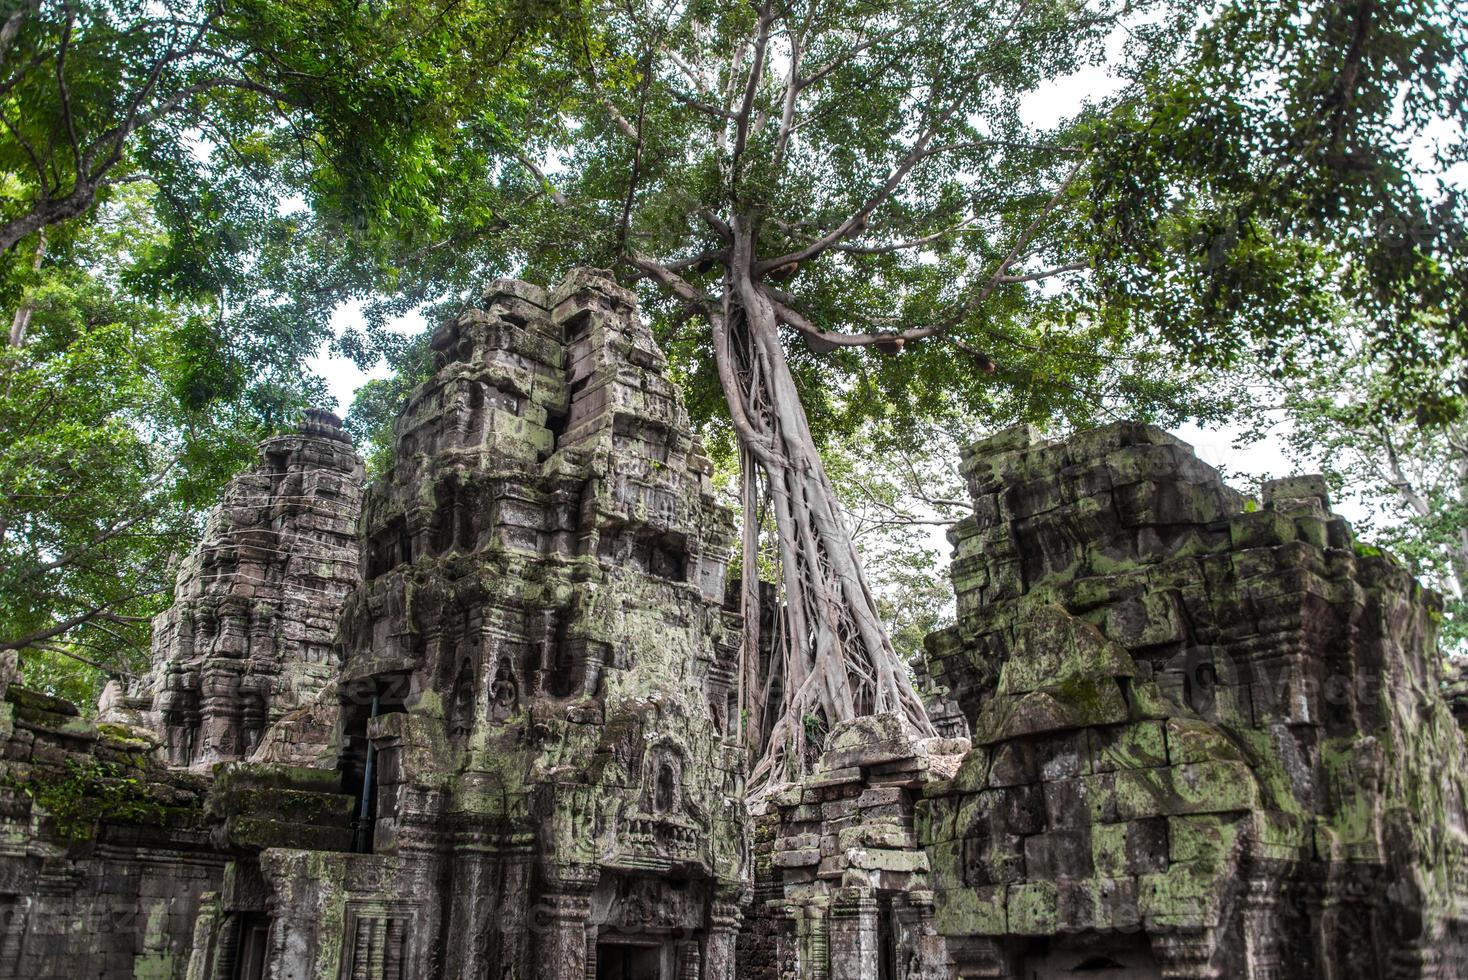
(853,946)
(812,942)
(591,936)
(561,934)
(473,908)
(1261,900)
(724,921)
(560,922)
(203,950)
(220,712)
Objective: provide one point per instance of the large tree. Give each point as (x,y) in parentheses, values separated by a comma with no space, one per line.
(859,179)
(104,467)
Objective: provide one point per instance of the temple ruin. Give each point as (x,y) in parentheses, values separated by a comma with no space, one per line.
(480,720)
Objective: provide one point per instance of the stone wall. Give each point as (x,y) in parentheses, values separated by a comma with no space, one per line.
(1208,741)
(105,855)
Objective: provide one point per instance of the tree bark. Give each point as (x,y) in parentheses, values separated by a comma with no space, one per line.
(839,662)
(22,319)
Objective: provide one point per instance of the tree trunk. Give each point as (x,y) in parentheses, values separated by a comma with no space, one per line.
(22,319)
(838,662)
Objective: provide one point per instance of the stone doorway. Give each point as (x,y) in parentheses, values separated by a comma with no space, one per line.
(254,946)
(1092,958)
(631,960)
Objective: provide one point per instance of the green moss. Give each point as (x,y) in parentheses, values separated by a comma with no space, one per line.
(123,737)
(89,791)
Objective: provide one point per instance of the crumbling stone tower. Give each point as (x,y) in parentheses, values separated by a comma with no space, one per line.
(537,737)
(250,633)
(1208,735)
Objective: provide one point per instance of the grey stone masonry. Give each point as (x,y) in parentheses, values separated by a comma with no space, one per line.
(251,632)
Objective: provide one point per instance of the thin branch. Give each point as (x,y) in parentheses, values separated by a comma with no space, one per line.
(621,121)
(64,652)
(687,70)
(670,280)
(835,63)
(535,169)
(857,220)
(65,626)
(855,249)
(1047,273)
(65,89)
(751,87)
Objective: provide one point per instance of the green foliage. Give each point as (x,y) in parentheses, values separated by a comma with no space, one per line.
(926,252)
(1291,161)
(61,675)
(89,791)
(106,460)
(379,401)
(1339,416)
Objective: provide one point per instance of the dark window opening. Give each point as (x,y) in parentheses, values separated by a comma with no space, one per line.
(567,667)
(277,464)
(405,541)
(556,423)
(619,962)
(886,941)
(388,548)
(1095,964)
(358,764)
(578,326)
(462,717)
(467,537)
(253,947)
(443,518)
(666,796)
(666,560)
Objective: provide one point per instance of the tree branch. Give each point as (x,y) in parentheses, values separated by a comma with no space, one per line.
(857,220)
(742,118)
(1047,273)
(65,626)
(545,183)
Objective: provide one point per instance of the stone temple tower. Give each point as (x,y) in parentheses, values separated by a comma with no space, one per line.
(249,636)
(538,732)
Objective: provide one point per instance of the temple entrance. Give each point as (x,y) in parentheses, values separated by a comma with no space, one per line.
(630,961)
(1091,957)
